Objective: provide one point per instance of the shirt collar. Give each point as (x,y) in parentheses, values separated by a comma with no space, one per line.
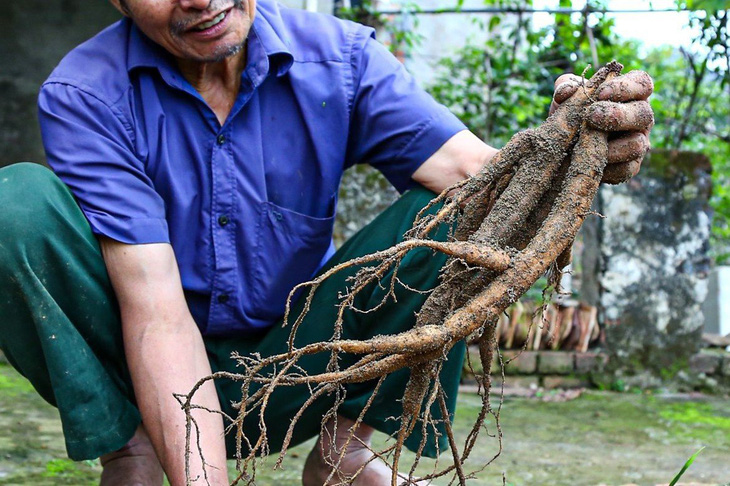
(269,29)
(143,52)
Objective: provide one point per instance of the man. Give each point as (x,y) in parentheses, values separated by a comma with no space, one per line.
(204,141)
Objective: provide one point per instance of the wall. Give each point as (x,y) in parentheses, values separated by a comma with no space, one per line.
(34,36)
(648,269)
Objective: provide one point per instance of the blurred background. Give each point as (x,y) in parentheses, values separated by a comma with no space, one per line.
(646,306)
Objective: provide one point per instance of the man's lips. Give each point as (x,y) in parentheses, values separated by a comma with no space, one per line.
(210,22)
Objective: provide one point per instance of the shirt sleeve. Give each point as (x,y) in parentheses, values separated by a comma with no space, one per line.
(90,147)
(395,124)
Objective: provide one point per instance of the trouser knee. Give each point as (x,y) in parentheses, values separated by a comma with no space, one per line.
(32,205)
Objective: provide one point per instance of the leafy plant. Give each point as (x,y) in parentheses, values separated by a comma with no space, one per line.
(505,83)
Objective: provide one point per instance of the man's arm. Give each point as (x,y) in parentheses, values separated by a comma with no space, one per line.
(462,156)
(165,355)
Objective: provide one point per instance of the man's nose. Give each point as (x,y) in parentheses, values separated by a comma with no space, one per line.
(194,4)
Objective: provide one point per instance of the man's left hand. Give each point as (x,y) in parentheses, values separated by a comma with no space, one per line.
(623,111)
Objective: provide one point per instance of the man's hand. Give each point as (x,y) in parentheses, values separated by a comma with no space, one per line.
(623,111)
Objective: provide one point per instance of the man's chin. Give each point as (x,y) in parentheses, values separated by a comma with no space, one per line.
(218,55)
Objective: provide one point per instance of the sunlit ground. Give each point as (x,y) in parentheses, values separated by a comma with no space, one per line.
(599,438)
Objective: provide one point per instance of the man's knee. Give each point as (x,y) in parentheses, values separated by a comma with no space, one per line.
(25,186)
(30,194)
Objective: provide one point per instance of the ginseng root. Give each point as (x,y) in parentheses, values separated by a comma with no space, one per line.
(515,220)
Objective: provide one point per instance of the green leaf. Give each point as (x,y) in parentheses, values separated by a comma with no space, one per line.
(706,4)
(685,467)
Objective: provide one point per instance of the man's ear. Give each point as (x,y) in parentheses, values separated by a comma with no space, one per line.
(120,5)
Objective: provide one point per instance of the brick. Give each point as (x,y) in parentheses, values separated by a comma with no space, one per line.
(524,363)
(531,382)
(590,362)
(705,363)
(552,382)
(476,363)
(555,363)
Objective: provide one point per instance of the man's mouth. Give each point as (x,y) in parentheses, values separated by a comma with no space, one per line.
(214,21)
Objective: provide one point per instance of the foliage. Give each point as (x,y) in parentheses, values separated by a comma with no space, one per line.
(490,85)
(401,36)
(504,83)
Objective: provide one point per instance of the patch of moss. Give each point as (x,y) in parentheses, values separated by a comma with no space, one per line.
(11,383)
(703,421)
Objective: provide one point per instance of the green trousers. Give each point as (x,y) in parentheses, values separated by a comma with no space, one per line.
(60,325)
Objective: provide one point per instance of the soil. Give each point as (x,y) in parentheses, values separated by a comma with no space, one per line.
(598,438)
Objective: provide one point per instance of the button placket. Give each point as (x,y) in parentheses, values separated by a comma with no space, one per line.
(223,244)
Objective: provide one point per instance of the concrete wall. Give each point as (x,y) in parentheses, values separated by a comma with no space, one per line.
(717,306)
(647,262)
(34,36)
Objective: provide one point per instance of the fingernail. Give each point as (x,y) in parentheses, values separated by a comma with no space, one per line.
(605,92)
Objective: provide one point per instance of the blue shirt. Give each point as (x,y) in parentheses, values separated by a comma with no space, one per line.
(248,206)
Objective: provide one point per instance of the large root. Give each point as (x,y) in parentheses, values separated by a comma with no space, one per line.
(516,220)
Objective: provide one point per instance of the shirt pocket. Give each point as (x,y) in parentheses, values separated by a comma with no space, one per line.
(290,247)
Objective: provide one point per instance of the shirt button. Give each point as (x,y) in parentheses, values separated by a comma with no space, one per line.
(223,298)
(221,139)
(278,215)
(223,220)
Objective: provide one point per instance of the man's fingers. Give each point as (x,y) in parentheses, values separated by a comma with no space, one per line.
(565,86)
(634,116)
(618,173)
(632,86)
(627,148)
(564,91)
(567,78)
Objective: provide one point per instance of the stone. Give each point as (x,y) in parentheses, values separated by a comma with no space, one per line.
(555,363)
(726,366)
(552,382)
(707,363)
(716,307)
(473,364)
(590,362)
